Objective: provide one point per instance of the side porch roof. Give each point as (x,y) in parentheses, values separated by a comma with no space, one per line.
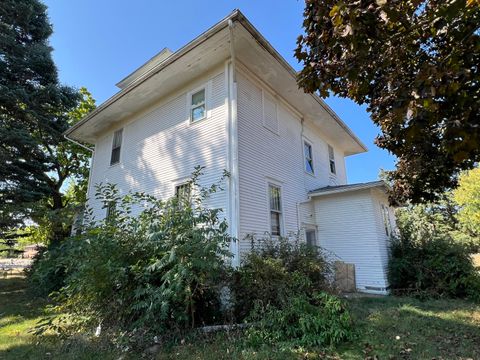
(329,190)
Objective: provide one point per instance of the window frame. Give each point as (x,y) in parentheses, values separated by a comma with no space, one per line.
(309,144)
(331,159)
(206,103)
(110,211)
(179,185)
(121,130)
(314,230)
(280,212)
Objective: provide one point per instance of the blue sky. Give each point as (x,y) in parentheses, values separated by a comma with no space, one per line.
(97,43)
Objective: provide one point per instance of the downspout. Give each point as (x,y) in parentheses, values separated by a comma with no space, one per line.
(233,151)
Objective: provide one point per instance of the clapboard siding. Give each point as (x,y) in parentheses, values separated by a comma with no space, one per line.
(162,147)
(275,156)
(349,228)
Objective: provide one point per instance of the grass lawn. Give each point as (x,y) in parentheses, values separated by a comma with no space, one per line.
(387,328)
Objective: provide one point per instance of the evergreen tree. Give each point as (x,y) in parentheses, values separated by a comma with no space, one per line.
(35,109)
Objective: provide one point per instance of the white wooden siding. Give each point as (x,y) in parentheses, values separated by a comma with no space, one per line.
(349,228)
(264,156)
(161,147)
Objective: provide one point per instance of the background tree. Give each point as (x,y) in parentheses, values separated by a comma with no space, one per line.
(467,196)
(35,109)
(415,64)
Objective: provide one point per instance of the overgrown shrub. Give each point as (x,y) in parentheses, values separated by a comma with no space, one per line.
(320,319)
(161,267)
(47,273)
(435,266)
(277,270)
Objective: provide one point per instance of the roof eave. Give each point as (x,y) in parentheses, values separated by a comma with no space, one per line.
(176,55)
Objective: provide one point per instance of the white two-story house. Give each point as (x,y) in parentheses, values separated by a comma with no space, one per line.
(228,101)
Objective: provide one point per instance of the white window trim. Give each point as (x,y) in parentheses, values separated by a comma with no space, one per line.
(278,184)
(332,174)
(121,147)
(315,230)
(276,112)
(305,141)
(207,87)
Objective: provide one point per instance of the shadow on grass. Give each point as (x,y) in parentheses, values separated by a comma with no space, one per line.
(412,329)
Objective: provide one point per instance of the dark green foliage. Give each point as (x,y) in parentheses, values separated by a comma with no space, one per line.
(48,271)
(35,109)
(433,266)
(162,268)
(415,65)
(320,319)
(277,270)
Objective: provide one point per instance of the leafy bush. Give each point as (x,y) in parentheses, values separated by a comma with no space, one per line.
(161,268)
(47,273)
(436,266)
(317,320)
(277,270)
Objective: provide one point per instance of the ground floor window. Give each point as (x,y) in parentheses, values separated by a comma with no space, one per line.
(311,237)
(274,193)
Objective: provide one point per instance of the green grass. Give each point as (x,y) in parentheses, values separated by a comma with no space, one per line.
(387,328)
(19,314)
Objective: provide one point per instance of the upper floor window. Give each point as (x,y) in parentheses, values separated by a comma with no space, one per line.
(198,109)
(331,157)
(307,152)
(275,210)
(116,146)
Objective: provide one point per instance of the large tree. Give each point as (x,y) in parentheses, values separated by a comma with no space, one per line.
(415,64)
(35,109)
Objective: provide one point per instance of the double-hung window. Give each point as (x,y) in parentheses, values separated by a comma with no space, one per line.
(307,150)
(331,158)
(198,108)
(116,146)
(183,193)
(274,194)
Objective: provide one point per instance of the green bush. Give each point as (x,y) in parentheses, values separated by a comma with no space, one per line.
(277,270)
(433,267)
(317,320)
(161,268)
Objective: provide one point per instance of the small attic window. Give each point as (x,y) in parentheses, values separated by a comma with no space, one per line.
(198,110)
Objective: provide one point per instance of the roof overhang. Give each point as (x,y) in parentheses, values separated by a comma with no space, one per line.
(329,190)
(166,74)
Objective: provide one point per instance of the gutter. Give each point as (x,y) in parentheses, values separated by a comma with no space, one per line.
(77,143)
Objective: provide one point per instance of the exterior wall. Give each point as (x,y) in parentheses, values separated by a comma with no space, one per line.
(350,227)
(378,199)
(266,156)
(161,147)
